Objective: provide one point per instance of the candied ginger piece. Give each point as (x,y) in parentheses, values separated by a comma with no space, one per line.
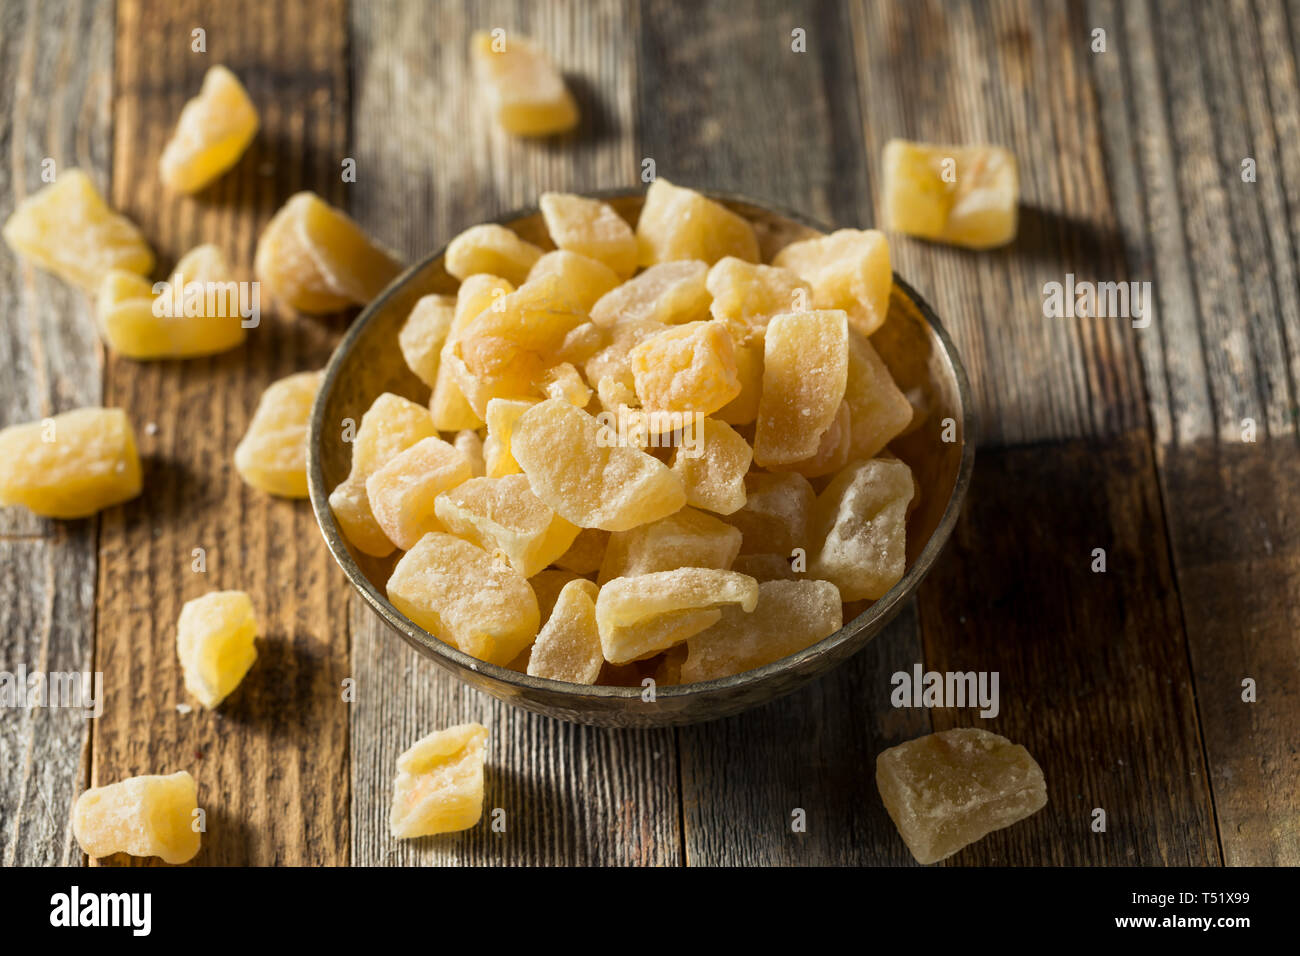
(860,521)
(944,791)
(448,405)
(590,228)
(502,414)
(424,333)
(687,539)
(805,370)
(67,228)
(564,381)
(587,279)
(285,268)
(440,782)
(470,445)
(461,594)
(679,223)
(272,455)
(586,553)
(575,465)
(214,641)
(832,452)
(403,491)
(568,646)
(611,360)
(714,476)
(491,249)
(643,615)
(774,519)
(212,133)
(789,616)
(964,195)
(670,293)
(547,585)
(848,270)
(526,92)
(743,409)
(151,815)
(752,293)
(879,411)
(503,514)
(71,465)
(688,368)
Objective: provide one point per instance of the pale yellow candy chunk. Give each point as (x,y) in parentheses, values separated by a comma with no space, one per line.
(591,228)
(789,616)
(575,466)
(272,455)
(751,293)
(848,270)
(448,405)
(860,522)
(425,333)
(461,594)
(670,293)
(586,279)
(743,409)
(469,444)
(286,269)
(215,643)
(564,381)
(212,133)
(525,91)
(965,195)
(679,223)
(71,465)
(944,791)
(688,368)
(611,360)
(805,371)
(832,452)
(774,519)
(502,414)
(503,514)
(547,586)
(687,539)
(643,615)
(402,493)
(568,647)
(152,815)
(493,250)
(68,229)
(440,782)
(879,410)
(714,477)
(586,553)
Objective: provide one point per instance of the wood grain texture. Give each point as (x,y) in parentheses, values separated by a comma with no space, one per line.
(271,761)
(56,62)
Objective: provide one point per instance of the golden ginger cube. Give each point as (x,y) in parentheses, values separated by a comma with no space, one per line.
(526,92)
(142,816)
(503,514)
(591,228)
(403,492)
(848,270)
(213,131)
(805,371)
(272,455)
(679,223)
(440,783)
(964,195)
(215,643)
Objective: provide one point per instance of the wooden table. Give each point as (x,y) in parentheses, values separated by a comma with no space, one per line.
(1126,685)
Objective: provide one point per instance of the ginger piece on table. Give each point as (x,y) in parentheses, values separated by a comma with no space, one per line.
(670,293)
(860,524)
(211,135)
(272,455)
(151,815)
(586,553)
(688,368)
(590,228)
(440,783)
(848,270)
(687,539)
(525,91)
(215,643)
(776,513)
(879,411)
(503,514)
(713,472)
(491,249)
(679,223)
(403,491)
(568,646)
(963,195)
(424,333)
(752,293)
(587,279)
(805,371)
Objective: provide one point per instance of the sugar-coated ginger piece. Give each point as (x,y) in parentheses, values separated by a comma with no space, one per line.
(848,270)
(66,228)
(587,279)
(587,552)
(547,585)
(752,293)
(152,815)
(71,465)
(285,268)
(860,523)
(688,368)
(775,516)
(461,594)
(403,491)
(568,646)
(575,465)
(502,413)
(611,361)
(743,409)
(590,228)
(964,195)
(212,133)
(564,381)
(215,643)
(503,514)
(526,92)
(640,616)
(714,475)
(805,370)
(450,409)
(669,293)
(789,616)
(679,223)
(687,539)
(440,782)
(944,791)
(491,249)
(272,455)
(470,445)
(424,333)
(832,452)
(879,411)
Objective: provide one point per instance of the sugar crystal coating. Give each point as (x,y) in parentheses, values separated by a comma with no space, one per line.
(860,524)
(848,270)
(440,782)
(687,539)
(402,492)
(590,228)
(503,514)
(640,616)
(568,646)
(212,133)
(151,815)
(715,477)
(805,371)
(965,195)
(525,90)
(215,643)
(679,223)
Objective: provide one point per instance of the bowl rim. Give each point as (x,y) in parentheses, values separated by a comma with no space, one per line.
(882,609)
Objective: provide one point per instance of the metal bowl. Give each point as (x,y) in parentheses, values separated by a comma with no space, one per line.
(912,343)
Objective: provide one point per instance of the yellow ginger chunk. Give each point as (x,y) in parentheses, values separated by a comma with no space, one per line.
(493,250)
(502,414)
(214,641)
(503,514)
(879,411)
(743,409)
(670,293)
(525,91)
(789,616)
(640,616)
(390,426)
(547,586)
(564,381)
(71,465)
(687,539)
(964,195)
(590,228)
(568,647)
(587,552)
(833,451)
(152,815)
(848,270)
(751,293)
(461,594)
(575,465)
(68,229)
(944,791)
(402,493)
(611,360)
(424,333)
(448,405)
(214,130)
(470,445)
(805,371)
(586,279)
(714,478)
(860,521)
(689,368)
(272,455)
(774,519)
(679,223)
(439,785)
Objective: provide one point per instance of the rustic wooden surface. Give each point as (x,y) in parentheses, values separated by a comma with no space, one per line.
(1125,685)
